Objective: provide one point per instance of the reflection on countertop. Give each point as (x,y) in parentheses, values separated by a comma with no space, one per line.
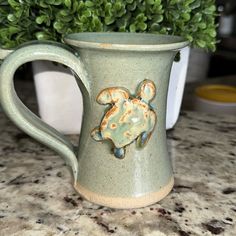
(37,198)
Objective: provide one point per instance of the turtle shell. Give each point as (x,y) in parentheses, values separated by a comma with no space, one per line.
(126,120)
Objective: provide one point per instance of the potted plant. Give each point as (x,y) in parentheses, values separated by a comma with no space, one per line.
(22,21)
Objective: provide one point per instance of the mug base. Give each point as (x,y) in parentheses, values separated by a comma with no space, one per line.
(123,202)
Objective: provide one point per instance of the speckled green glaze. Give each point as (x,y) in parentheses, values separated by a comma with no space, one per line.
(100,61)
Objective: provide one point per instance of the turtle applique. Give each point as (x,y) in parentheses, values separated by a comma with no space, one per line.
(129,118)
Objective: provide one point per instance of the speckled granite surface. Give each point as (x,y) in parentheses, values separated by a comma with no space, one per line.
(37,198)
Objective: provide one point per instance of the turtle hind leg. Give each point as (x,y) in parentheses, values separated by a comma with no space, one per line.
(119,152)
(143,139)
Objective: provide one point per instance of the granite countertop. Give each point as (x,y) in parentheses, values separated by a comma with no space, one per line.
(37,198)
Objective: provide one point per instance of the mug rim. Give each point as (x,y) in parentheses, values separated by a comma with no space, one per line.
(170,42)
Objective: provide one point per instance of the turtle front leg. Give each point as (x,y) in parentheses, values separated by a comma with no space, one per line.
(143,139)
(96,134)
(119,152)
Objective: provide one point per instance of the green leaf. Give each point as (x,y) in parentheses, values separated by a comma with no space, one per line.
(41,19)
(210,10)
(197,17)
(151,2)
(174,2)
(212,32)
(68,3)
(89,4)
(132,28)
(14,3)
(189,38)
(158,18)
(195,4)
(11,18)
(202,25)
(142,26)
(186,16)
(201,43)
(42,36)
(109,20)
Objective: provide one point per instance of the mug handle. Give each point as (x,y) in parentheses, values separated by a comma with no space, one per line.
(21,115)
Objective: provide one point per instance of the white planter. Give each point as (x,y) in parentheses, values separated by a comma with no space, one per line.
(176,88)
(4,53)
(198,65)
(60,100)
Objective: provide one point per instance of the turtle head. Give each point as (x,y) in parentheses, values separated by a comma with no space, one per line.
(146,90)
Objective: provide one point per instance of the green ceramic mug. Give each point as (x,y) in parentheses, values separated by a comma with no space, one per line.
(122,159)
